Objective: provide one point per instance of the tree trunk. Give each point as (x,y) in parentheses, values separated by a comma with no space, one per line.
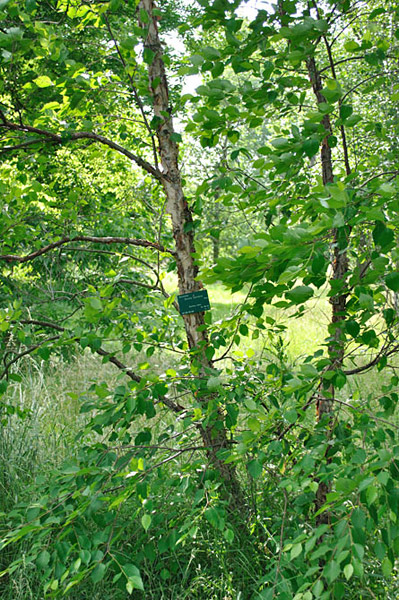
(340,265)
(183,234)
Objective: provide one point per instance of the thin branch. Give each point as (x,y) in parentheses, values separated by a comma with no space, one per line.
(134,90)
(280,550)
(366,412)
(379,175)
(342,128)
(375,76)
(157,286)
(25,353)
(357,15)
(236,328)
(19,146)
(115,361)
(147,286)
(84,238)
(174,406)
(338,62)
(373,362)
(42,324)
(79,135)
(111,253)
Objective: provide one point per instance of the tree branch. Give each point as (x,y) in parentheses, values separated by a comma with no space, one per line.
(174,406)
(379,175)
(373,362)
(339,62)
(77,135)
(366,412)
(8,364)
(84,238)
(375,76)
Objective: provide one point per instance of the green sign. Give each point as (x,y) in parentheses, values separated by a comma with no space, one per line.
(193,302)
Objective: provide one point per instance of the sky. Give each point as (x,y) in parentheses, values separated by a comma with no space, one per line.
(249,9)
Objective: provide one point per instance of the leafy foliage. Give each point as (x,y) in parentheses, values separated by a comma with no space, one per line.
(207,442)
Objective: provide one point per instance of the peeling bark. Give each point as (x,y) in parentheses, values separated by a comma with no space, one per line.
(183,234)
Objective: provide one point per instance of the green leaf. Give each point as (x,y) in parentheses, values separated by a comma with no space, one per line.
(146,521)
(134,583)
(345,111)
(176,137)
(371,494)
(352,328)
(95,303)
(43,81)
(291,415)
(214,517)
(382,236)
(213,384)
(296,551)
(352,46)
(98,573)
(254,424)
(228,535)
(148,56)
(318,263)
(386,567)
(43,559)
(380,550)
(134,579)
(366,301)
(348,571)
(254,468)
(318,588)
(311,146)
(353,120)
(331,571)
(144,18)
(392,281)
(300,294)
(210,53)
(309,370)
(85,555)
(196,59)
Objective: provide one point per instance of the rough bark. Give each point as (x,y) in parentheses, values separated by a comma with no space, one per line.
(181,217)
(340,258)
(336,347)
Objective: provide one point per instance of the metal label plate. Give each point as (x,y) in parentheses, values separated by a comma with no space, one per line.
(193,302)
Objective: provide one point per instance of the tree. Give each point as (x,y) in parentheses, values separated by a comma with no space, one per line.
(331,212)
(87,83)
